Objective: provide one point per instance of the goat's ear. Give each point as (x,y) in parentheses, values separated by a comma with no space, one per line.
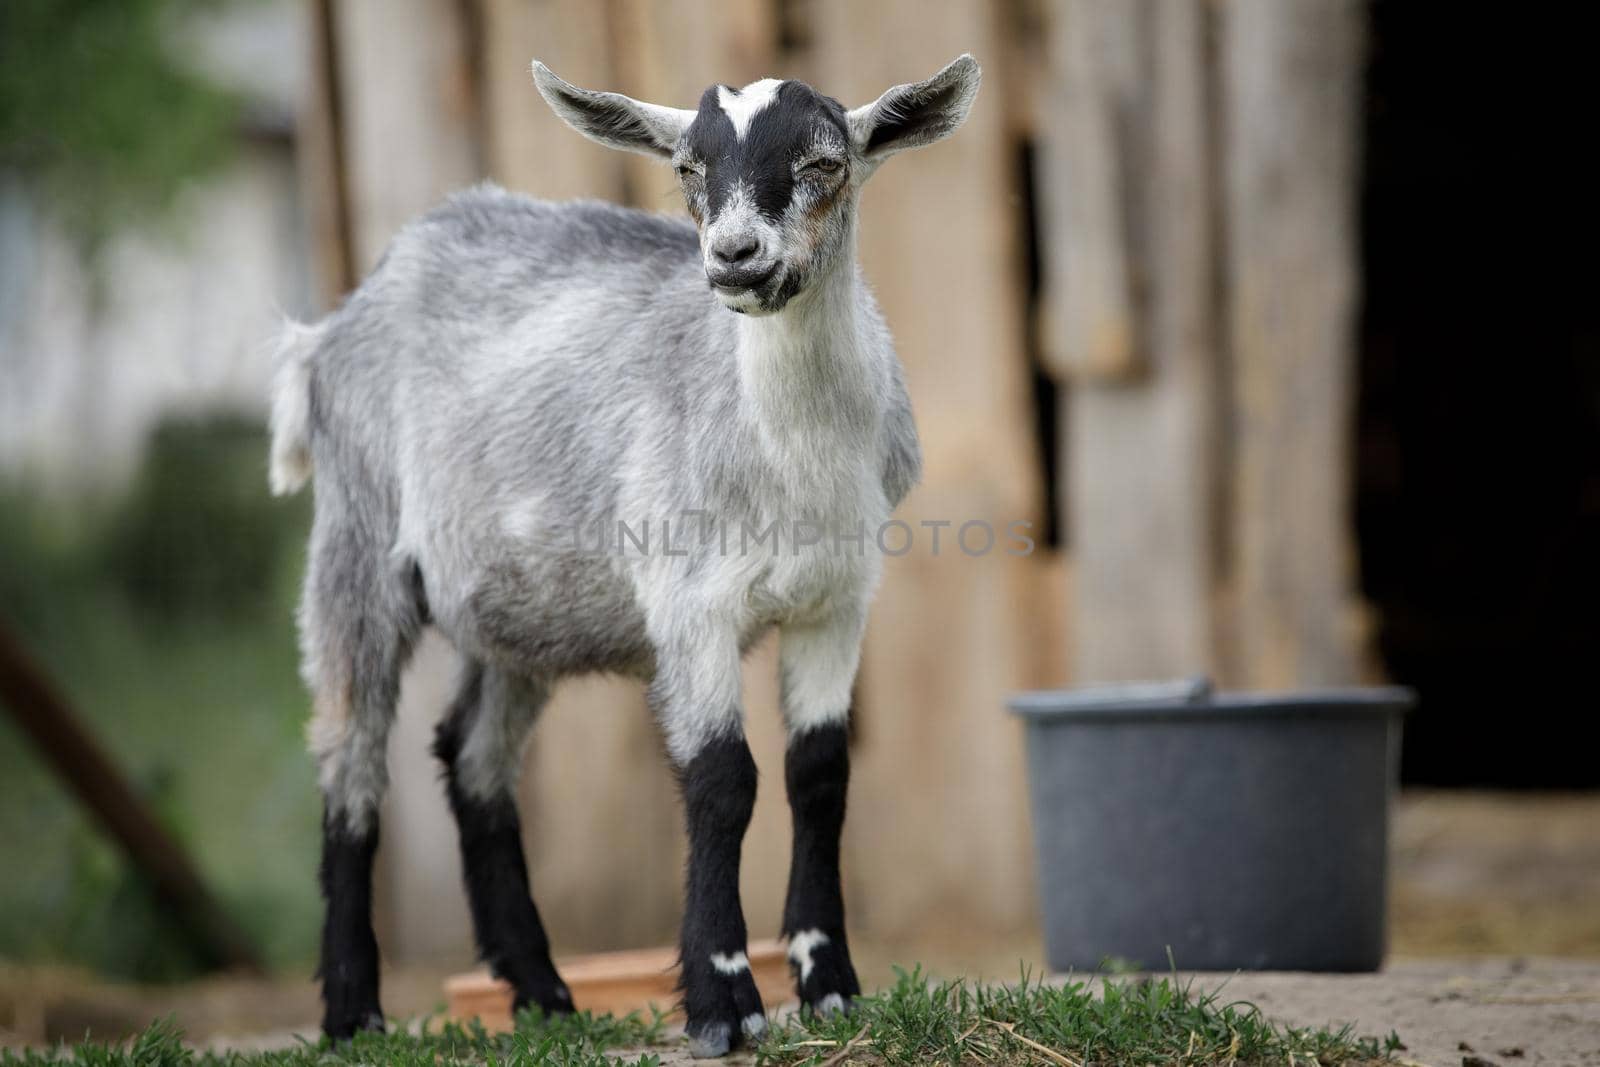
(910,116)
(611,118)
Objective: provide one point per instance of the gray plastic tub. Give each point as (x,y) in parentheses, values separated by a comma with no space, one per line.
(1240,830)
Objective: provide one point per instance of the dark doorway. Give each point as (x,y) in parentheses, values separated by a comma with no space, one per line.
(1478,474)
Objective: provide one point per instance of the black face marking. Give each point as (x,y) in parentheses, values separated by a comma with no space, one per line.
(764,160)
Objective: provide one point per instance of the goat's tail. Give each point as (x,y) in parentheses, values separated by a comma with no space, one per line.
(291,407)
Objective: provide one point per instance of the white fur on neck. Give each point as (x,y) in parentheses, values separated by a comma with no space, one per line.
(812,378)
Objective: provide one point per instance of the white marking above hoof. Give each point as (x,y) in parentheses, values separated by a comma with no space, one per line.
(754,1025)
(801,945)
(737,963)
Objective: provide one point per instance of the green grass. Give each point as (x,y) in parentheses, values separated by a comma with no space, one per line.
(570,1041)
(1120,1021)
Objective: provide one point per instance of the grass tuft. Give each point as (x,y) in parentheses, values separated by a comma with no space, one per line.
(1099,1021)
(580,1040)
(1110,1021)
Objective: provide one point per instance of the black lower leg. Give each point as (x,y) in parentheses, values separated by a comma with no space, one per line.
(349,969)
(511,939)
(720,998)
(817,774)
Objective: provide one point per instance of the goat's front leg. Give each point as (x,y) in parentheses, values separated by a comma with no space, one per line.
(696,696)
(818,670)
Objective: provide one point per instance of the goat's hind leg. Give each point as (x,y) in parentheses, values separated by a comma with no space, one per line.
(480,744)
(357,630)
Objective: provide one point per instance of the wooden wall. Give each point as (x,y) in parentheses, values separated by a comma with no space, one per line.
(1178,558)
(1198,191)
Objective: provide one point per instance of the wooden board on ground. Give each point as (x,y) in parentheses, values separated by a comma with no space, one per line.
(615,982)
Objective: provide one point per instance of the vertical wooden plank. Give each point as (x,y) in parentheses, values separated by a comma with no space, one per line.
(627,893)
(938,834)
(668,53)
(1093,73)
(601,820)
(1141,455)
(528,148)
(319,160)
(601,832)
(764,875)
(406,95)
(408,101)
(420,908)
(1292,84)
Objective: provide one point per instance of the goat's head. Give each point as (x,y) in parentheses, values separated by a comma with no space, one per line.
(771,172)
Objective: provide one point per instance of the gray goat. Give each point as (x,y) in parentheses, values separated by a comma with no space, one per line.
(515,373)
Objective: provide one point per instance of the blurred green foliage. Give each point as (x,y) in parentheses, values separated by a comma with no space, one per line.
(197,536)
(99,116)
(166,614)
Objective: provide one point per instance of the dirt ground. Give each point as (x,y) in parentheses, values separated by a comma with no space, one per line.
(1495,937)
(1496,873)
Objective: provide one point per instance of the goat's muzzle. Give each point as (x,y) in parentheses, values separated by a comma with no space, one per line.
(741,279)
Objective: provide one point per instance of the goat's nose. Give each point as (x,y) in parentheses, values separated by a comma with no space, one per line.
(736,250)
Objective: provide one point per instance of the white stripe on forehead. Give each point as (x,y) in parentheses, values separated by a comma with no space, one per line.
(741,105)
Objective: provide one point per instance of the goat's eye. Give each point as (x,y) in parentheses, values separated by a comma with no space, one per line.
(824,166)
(686,172)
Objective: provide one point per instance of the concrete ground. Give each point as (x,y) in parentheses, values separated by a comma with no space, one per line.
(1473,1012)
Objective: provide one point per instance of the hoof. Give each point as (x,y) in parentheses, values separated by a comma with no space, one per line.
(715,1040)
(723,1007)
(832,1004)
(345,1028)
(824,977)
(550,999)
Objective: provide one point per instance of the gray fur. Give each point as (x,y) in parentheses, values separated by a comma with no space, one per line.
(514,371)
